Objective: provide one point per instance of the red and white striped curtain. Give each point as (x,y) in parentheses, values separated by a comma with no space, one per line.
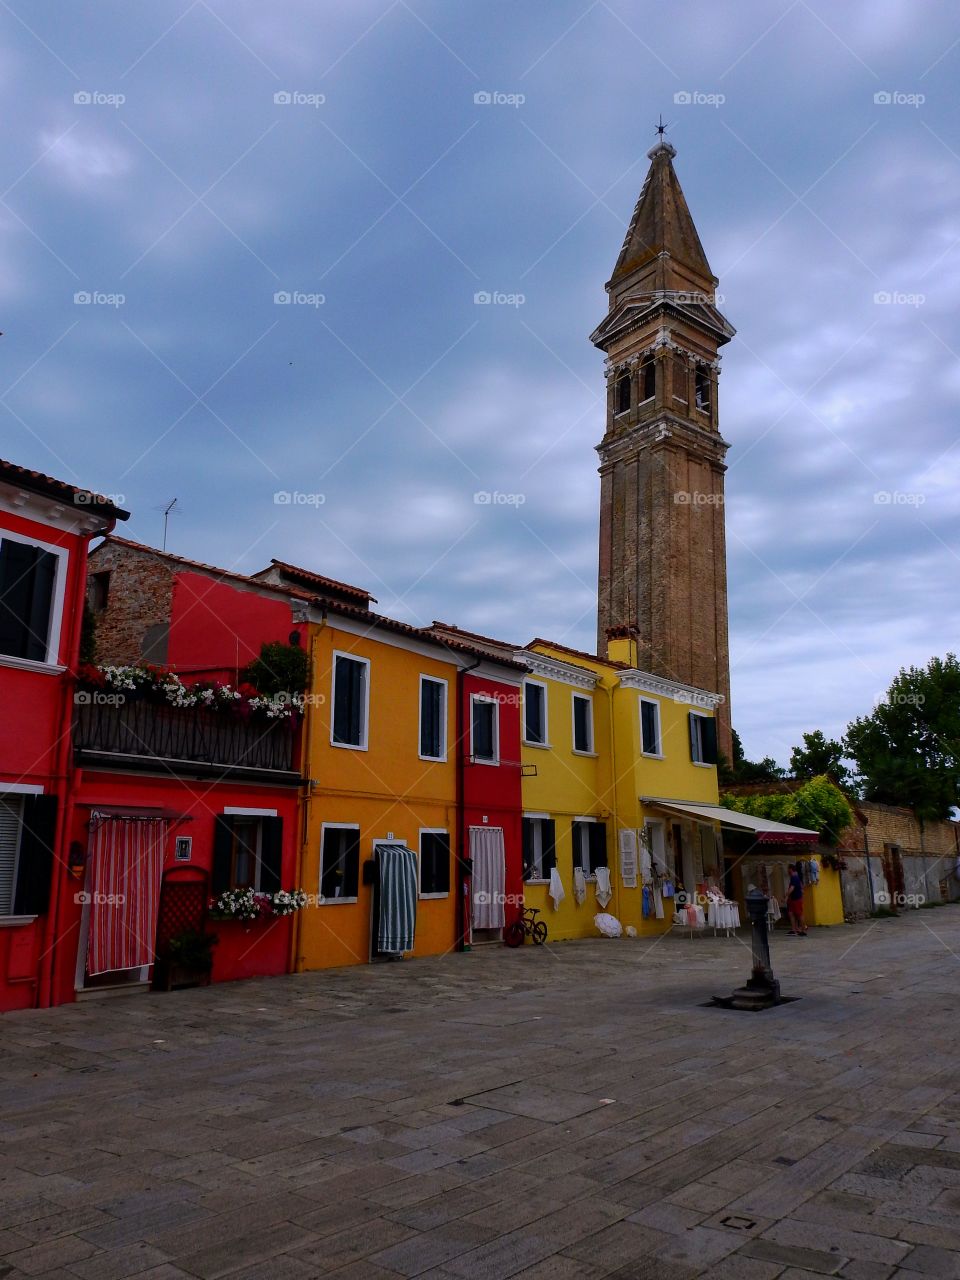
(126,866)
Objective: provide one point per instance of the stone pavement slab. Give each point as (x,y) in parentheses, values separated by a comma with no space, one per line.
(474,1118)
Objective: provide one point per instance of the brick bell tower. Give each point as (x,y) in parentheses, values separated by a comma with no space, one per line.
(663,569)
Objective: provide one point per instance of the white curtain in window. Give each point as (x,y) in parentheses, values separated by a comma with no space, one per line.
(126,865)
(488,877)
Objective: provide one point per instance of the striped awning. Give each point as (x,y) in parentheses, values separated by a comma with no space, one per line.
(398,879)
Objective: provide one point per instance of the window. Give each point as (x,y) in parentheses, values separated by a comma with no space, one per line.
(11,815)
(582,723)
(539,848)
(650,743)
(622,393)
(434,864)
(484,730)
(98,593)
(703,389)
(433,719)
(247,852)
(339,862)
(589,845)
(534,713)
(351,689)
(703,739)
(648,379)
(28,577)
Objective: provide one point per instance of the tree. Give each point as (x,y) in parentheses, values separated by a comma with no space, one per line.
(281,668)
(819,805)
(819,755)
(744,770)
(907,751)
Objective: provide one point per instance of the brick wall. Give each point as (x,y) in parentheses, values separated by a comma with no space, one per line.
(130,628)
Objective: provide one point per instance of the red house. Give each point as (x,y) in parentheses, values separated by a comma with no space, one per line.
(490,809)
(179,796)
(45,529)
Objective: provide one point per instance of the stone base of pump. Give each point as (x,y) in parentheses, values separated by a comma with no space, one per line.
(753,997)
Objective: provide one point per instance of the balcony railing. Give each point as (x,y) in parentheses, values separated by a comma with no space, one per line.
(218,741)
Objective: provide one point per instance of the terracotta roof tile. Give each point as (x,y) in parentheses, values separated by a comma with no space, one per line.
(47,485)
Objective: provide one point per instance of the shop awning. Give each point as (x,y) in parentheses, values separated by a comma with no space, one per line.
(765,830)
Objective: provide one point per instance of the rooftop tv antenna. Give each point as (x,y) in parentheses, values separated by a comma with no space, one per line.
(166,518)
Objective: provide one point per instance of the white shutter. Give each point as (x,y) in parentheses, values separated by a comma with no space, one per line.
(10,815)
(628,858)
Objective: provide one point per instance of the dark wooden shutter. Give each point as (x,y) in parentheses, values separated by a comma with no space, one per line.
(351,863)
(31,895)
(27,575)
(222,854)
(548,831)
(431,702)
(598,844)
(648,728)
(271,854)
(581,724)
(578,840)
(527,847)
(708,732)
(692,721)
(348,701)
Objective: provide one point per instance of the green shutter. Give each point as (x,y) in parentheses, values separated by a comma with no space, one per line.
(692,722)
(222,854)
(35,864)
(708,732)
(271,854)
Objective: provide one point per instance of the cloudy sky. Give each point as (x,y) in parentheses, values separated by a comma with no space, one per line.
(150,166)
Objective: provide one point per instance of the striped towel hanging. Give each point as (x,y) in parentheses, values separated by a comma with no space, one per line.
(398,898)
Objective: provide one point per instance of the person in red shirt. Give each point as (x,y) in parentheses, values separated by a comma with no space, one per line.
(795,902)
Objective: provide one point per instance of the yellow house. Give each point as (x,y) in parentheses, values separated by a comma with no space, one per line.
(650,740)
(380,754)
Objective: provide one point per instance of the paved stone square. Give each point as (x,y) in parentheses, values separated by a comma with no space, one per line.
(567,1112)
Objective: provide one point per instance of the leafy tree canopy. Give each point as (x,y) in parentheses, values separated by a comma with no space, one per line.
(907,751)
(819,805)
(743,770)
(281,668)
(819,755)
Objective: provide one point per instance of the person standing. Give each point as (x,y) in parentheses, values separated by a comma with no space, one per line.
(795,901)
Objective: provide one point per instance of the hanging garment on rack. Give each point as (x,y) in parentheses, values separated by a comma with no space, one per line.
(647,902)
(668,889)
(646,862)
(773,910)
(657,902)
(579,885)
(556,890)
(814,871)
(604,892)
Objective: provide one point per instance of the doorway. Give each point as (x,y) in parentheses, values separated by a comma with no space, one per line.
(488,882)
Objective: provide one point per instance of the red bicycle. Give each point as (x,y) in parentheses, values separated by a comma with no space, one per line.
(527,927)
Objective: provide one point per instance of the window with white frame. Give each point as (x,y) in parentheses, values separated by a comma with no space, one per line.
(534,713)
(433,718)
(30,581)
(484,730)
(703,739)
(589,845)
(539,847)
(650,740)
(434,863)
(351,700)
(583,723)
(339,862)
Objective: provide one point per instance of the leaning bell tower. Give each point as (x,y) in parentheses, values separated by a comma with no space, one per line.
(663,572)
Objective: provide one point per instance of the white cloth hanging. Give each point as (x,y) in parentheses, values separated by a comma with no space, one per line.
(657,902)
(604,892)
(556,890)
(489,875)
(646,862)
(579,885)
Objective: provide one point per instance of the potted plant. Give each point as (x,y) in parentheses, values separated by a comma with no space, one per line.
(187,960)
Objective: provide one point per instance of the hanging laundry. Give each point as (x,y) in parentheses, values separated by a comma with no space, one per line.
(556,891)
(814,872)
(647,902)
(657,902)
(668,889)
(646,862)
(604,892)
(579,885)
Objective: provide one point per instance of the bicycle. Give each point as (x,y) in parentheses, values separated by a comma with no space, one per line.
(527,927)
